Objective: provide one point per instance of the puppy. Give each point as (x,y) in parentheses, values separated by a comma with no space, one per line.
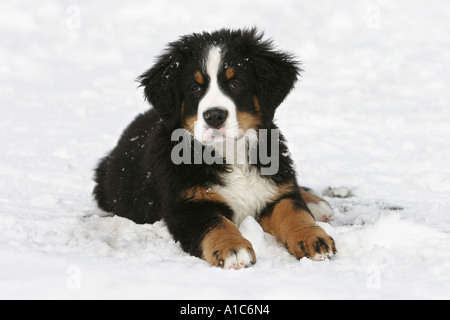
(208,154)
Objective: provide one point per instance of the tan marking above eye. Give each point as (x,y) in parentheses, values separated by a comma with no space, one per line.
(230,72)
(198,77)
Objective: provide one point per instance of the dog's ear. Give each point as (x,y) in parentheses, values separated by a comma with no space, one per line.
(276,73)
(161,88)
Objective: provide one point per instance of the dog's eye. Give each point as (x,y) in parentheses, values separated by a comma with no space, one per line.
(196,89)
(234,84)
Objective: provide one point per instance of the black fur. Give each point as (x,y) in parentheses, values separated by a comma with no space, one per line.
(138,179)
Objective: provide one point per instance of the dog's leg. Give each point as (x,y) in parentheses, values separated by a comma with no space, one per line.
(199,222)
(319,208)
(296,228)
(224,246)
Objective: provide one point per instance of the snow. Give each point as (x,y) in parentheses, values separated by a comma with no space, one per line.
(369,118)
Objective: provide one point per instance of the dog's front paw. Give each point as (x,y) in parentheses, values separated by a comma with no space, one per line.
(225,247)
(234,259)
(311,242)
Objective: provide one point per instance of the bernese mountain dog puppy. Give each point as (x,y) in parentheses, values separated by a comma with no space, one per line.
(208,153)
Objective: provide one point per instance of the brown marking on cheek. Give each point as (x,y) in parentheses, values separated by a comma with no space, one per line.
(297,230)
(223,240)
(248,120)
(202,194)
(189,123)
(230,72)
(199,77)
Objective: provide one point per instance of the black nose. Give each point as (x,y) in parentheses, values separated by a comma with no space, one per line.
(215,117)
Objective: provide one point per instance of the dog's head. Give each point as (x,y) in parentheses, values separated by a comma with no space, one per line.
(220,84)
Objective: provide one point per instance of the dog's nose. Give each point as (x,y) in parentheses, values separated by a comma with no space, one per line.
(215,117)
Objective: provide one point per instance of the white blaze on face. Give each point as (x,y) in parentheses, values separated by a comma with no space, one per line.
(215,98)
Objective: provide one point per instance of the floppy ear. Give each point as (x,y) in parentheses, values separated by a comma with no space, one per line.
(160,89)
(276,73)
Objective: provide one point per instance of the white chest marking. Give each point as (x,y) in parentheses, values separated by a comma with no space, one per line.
(246,192)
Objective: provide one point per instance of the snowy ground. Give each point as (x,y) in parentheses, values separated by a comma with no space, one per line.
(371,114)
